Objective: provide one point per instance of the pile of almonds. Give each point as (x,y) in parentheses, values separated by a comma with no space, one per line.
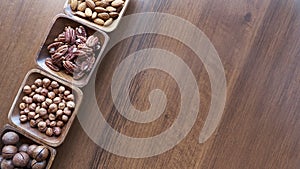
(15,155)
(47,105)
(73,51)
(101,12)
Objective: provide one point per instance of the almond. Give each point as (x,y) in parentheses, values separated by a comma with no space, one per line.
(108,22)
(88,12)
(102,3)
(114,14)
(100,9)
(99,21)
(111,9)
(81,7)
(94,15)
(90,4)
(117,3)
(73,4)
(103,16)
(81,14)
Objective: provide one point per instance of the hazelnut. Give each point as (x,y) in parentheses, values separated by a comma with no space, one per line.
(50,88)
(70,104)
(48,101)
(67,92)
(38,90)
(31,115)
(41,98)
(32,123)
(33,87)
(61,96)
(37,109)
(52,123)
(22,106)
(38,82)
(23,118)
(46,82)
(54,84)
(38,120)
(42,126)
(10,138)
(61,106)
(23,148)
(22,113)
(56,91)
(44,105)
(27,89)
(40,153)
(44,92)
(35,97)
(67,111)
(61,89)
(51,95)
(20,159)
(42,112)
(70,97)
(57,100)
(26,110)
(65,118)
(28,100)
(49,132)
(56,131)
(59,113)
(60,124)
(52,117)
(32,106)
(9,151)
(38,164)
(42,130)
(45,117)
(36,116)
(24,98)
(7,164)
(31,149)
(48,122)
(52,108)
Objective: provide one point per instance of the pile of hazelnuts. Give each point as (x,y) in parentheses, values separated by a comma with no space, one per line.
(15,155)
(47,105)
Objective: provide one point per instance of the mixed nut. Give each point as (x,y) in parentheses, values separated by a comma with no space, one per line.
(74,51)
(16,155)
(101,12)
(46,105)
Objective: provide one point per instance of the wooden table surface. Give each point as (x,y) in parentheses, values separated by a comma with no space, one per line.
(258,42)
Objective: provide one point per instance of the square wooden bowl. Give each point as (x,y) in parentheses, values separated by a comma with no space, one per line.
(26,139)
(14,113)
(59,23)
(110,28)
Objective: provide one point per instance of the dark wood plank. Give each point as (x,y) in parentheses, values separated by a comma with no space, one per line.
(258,43)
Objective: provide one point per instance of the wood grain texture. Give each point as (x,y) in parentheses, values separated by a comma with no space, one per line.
(258,43)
